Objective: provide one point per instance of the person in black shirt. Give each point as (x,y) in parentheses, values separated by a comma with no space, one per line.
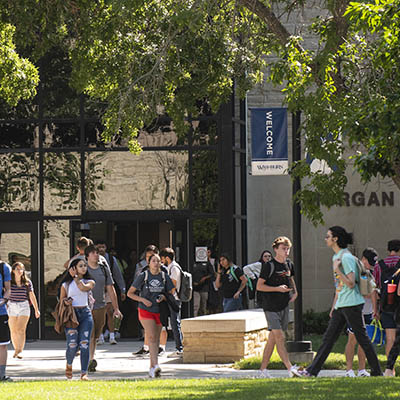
(279,289)
(202,274)
(232,281)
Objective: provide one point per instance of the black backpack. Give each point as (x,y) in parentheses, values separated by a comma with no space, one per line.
(387,276)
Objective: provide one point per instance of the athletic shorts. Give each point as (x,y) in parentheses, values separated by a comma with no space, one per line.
(144,314)
(18,308)
(367,321)
(387,320)
(4,330)
(278,319)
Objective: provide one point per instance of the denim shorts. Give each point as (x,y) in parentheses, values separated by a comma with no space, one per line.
(18,308)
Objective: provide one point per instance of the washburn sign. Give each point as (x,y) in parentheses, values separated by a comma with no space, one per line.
(360,199)
(269,147)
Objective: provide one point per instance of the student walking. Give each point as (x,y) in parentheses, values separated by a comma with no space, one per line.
(369,312)
(19,310)
(232,281)
(76,287)
(348,306)
(279,289)
(151,283)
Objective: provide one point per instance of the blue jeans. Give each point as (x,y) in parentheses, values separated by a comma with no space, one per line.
(176,327)
(80,335)
(231,304)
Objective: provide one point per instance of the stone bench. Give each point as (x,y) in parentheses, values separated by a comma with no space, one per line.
(225,337)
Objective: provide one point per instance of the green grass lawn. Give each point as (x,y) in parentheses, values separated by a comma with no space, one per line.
(336,359)
(207,389)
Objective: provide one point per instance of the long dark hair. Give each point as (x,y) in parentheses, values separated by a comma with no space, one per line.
(24,279)
(67,276)
(343,238)
(262,255)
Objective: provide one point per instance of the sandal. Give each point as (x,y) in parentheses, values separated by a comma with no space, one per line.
(84,377)
(68,371)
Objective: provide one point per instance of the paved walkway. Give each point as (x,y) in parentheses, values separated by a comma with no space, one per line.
(46,360)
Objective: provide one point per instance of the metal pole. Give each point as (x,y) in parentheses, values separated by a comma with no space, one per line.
(296,156)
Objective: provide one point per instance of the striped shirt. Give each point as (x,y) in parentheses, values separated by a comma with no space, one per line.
(390,261)
(20,293)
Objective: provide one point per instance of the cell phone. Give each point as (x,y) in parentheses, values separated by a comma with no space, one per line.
(3,301)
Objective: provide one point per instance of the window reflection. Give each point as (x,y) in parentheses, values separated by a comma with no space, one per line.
(62,183)
(124,181)
(56,253)
(19,182)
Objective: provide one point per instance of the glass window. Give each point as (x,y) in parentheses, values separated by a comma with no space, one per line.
(124,181)
(62,183)
(19,182)
(19,135)
(61,134)
(16,247)
(160,133)
(205,181)
(56,253)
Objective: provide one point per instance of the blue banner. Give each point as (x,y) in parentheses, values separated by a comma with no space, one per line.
(269,141)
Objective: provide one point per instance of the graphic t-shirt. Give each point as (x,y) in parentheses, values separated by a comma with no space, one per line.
(7,277)
(347,297)
(152,288)
(229,284)
(276,301)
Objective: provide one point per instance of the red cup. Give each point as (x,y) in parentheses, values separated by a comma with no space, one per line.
(391,288)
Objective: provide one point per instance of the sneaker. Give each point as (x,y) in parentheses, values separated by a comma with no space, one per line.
(6,379)
(363,372)
(92,366)
(152,373)
(157,371)
(141,352)
(176,354)
(294,371)
(303,373)
(161,352)
(263,374)
(113,341)
(350,374)
(388,372)
(100,340)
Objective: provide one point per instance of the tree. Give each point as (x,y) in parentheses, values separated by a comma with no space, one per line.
(161,56)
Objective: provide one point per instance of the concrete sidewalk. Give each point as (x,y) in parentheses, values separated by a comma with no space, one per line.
(45,360)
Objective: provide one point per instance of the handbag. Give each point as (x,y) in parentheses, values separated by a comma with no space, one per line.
(376,333)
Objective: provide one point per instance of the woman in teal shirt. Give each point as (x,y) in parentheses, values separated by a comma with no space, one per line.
(347,305)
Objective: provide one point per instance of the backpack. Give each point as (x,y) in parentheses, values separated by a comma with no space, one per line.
(388,275)
(366,282)
(185,290)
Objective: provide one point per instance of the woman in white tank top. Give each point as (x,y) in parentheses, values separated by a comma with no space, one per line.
(76,286)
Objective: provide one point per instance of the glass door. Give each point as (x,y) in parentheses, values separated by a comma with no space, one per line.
(19,242)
